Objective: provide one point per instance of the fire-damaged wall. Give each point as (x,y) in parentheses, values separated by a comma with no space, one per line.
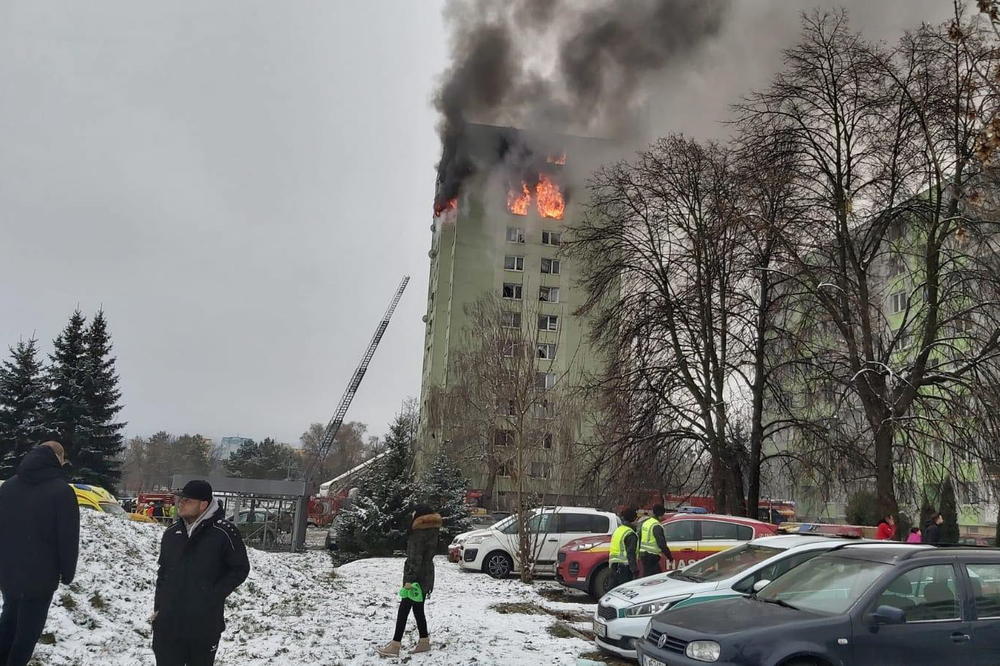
(506,230)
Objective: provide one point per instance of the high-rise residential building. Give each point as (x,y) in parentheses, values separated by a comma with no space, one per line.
(229,445)
(504,235)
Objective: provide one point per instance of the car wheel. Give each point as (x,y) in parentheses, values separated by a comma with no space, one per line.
(600,582)
(498,564)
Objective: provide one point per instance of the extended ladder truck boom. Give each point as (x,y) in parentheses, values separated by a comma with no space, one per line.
(330,432)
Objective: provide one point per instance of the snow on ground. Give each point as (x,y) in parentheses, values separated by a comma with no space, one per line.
(294,609)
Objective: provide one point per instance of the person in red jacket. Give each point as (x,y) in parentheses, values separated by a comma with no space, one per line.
(886,528)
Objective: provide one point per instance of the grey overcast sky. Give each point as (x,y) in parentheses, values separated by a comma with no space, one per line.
(241,185)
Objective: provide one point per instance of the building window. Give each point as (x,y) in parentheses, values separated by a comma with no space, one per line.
(507,348)
(503,437)
(548,294)
(551,237)
(515,235)
(507,408)
(548,322)
(513,263)
(544,410)
(512,290)
(503,469)
(541,470)
(547,440)
(550,266)
(546,350)
(896,266)
(545,380)
(897,302)
(510,319)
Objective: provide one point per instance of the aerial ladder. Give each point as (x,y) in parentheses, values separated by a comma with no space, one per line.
(333,427)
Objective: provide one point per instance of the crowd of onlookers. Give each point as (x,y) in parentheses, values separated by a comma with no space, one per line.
(931,532)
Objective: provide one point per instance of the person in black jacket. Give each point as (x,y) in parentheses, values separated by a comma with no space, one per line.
(40,523)
(932,530)
(421,546)
(202,560)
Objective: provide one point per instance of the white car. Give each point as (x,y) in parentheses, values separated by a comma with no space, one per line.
(623,613)
(494,550)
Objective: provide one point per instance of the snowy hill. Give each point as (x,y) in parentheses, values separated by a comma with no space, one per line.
(102,618)
(293,609)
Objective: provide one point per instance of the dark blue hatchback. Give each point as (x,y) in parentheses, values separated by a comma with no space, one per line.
(859,604)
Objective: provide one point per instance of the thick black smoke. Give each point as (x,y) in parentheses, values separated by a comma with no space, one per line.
(567,66)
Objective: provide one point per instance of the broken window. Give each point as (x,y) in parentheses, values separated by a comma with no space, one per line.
(548,294)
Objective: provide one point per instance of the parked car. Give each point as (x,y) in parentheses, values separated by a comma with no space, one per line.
(494,550)
(858,604)
(622,615)
(483,524)
(583,564)
(261,526)
(96,498)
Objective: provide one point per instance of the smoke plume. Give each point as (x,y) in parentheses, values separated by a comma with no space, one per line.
(567,66)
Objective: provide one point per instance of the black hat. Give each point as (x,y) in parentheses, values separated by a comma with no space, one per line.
(197,490)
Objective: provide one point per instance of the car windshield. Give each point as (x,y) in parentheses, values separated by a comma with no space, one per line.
(111,507)
(503,524)
(730,562)
(826,584)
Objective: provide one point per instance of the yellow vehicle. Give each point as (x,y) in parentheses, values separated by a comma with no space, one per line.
(96,498)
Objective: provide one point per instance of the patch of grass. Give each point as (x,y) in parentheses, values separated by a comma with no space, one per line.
(47,638)
(523,608)
(67,601)
(560,630)
(605,659)
(565,596)
(97,601)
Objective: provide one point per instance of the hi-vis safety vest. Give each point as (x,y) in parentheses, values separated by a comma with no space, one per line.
(618,554)
(647,542)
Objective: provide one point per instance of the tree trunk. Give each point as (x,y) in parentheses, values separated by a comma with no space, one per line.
(884,487)
(757,400)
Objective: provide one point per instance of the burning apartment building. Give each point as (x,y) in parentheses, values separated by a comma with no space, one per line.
(504,352)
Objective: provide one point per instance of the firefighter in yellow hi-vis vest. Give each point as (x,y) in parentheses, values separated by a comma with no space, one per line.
(624,550)
(652,542)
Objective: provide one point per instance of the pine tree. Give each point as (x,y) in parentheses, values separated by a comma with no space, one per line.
(66,414)
(949,511)
(443,488)
(22,403)
(265,460)
(101,441)
(378,518)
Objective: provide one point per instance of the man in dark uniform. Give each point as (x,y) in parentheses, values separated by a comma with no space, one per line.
(202,560)
(40,520)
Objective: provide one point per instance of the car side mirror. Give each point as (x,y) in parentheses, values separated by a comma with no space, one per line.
(888,615)
(760,585)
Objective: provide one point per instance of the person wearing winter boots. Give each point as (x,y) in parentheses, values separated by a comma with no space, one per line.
(418,579)
(40,545)
(202,561)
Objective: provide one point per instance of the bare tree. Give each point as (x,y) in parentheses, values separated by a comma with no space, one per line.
(506,411)
(665,231)
(895,273)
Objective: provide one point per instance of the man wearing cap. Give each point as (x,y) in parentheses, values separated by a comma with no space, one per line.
(202,560)
(40,542)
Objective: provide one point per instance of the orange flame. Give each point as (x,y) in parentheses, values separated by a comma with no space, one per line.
(556,159)
(450,204)
(549,199)
(518,202)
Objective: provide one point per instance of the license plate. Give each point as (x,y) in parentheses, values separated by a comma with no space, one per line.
(600,629)
(649,661)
